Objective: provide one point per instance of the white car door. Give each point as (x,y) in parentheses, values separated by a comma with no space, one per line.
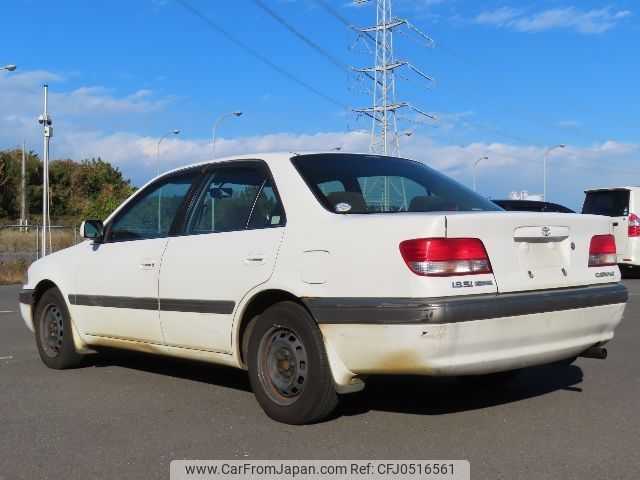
(117,282)
(229,245)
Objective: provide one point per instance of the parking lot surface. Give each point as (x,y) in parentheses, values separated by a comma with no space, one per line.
(126,415)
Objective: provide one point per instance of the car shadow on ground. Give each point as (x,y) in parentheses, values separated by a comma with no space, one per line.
(444,395)
(400,394)
(201,372)
(628,273)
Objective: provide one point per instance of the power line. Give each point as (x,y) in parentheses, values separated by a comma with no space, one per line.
(523,112)
(331,58)
(531,86)
(495,71)
(259,56)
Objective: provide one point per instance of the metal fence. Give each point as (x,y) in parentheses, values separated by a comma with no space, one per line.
(23,242)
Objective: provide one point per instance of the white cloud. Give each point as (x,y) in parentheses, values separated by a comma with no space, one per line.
(22,93)
(569,18)
(498,17)
(567,123)
(510,167)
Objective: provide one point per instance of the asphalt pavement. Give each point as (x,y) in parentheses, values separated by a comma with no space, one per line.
(126,415)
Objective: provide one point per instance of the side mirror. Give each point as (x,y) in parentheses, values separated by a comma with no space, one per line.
(92,229)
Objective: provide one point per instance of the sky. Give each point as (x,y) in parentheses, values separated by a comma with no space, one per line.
(510,80)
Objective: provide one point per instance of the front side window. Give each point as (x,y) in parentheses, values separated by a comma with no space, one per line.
(346,183)
(151,213)
(235,199)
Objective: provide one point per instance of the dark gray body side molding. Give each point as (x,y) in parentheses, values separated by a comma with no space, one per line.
(395,311)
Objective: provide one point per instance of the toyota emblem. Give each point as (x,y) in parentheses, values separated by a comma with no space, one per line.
(546,231)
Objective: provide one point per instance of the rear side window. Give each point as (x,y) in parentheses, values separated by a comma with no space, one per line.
(236,199)
(346,183)
(611,203)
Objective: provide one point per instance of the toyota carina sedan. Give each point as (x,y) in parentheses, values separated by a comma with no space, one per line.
(314,271)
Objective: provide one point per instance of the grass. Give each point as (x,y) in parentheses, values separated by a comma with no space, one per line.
(12,271)
(13,241)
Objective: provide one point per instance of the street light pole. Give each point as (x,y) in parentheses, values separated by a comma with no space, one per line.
(215,125)
(45,121)
(474,170)
(544,169)
(172,132)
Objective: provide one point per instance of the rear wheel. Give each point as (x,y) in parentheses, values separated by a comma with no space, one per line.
(53,332)
(288,366)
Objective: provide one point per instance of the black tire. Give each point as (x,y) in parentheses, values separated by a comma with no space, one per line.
(54,337)
(491,380)
(288,366)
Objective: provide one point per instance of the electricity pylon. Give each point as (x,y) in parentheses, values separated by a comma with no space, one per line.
(384,128)
(384,136)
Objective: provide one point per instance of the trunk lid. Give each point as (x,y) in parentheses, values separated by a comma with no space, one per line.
(534,251)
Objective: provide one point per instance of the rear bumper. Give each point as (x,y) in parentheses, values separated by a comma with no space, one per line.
(467,346)
(395,311)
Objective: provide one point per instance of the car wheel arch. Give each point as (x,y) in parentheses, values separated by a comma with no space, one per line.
(41,287)
(254,307)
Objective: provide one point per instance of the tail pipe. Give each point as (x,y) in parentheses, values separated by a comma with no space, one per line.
(595,352)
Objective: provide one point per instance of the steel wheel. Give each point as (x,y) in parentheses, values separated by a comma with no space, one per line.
(283,364)
(51,330)
(54,333)
(288,366)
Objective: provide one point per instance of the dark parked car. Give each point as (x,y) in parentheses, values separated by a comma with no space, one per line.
(531,206)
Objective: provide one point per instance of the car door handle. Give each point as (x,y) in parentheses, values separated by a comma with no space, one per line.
(147,264)
(256,258)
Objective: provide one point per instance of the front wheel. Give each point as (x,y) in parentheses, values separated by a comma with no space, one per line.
(288,366)
(54,338)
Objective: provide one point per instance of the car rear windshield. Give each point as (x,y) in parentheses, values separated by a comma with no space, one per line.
(612,203)
(346,183)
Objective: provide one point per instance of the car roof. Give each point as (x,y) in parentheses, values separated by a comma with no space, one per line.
(607,189)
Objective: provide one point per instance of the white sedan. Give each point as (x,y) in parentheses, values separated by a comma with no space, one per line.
(314,271)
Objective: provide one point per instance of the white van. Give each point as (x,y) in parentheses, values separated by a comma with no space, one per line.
(622,204)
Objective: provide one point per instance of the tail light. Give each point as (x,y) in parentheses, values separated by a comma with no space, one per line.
(602,251)
(440,257)
(634,225)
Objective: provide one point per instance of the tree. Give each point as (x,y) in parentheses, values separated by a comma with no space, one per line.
(92,187)
(104,204)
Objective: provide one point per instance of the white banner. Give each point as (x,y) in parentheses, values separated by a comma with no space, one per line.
(320,469)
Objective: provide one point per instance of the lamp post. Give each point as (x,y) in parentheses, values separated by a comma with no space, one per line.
(172,132)
(215,125)
(544,186)
(10,68)
(45,121)
(475,164)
